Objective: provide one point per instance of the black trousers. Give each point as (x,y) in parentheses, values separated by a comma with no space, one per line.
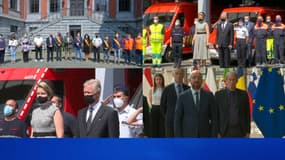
(26,56)
(97,54)
(39,54)
(234,131)
(278,49)
(260,50)
(224,57)
(49,54)
(58,53)
(156,122)
(177,49)
(241,52)
(2,55)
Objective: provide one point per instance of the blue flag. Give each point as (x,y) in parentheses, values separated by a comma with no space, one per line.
(269,111)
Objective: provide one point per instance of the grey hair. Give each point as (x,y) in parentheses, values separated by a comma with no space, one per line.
(95,83)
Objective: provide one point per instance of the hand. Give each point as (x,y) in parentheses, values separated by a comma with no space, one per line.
(217,46)
(183,45)
(230,46)
(247,135)
(107,100)
(170,45)
(140,109)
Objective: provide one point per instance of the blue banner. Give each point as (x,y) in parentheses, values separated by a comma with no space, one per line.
(145,149)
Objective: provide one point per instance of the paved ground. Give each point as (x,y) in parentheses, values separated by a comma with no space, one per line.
(64,63)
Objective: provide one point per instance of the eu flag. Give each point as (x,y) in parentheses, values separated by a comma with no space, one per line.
(269,111)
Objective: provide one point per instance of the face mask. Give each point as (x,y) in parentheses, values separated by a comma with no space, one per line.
(268,20)
(42,100)
(89,99)
(200,20)
(223,20)
(118,102)
(240,24)
(278,20)
(117,35)
(8,111)
(155,21)
(177,24)
(1,36)
(246,20)
(96,36)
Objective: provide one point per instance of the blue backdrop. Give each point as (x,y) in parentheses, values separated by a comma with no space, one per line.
(145,149)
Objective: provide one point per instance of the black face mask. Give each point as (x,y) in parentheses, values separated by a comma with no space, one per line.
(42,100)
(223,20)
(89,99)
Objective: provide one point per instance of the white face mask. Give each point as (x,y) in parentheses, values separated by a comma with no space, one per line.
(155,21)
(118,102)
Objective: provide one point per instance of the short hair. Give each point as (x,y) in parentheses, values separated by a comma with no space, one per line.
(195,71)
(121,88)
(46,86)
(59,99)
(95,83)
(232,73)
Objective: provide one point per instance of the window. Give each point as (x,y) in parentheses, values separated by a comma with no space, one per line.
(13,28)
(13,4)
(100,5)
(34,6)
(125,5)
(54,6)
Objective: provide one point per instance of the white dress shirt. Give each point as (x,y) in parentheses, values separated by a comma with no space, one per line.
(96,107)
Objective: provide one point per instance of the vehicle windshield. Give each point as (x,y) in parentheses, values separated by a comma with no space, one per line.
(164,17)
(14,89)
(235,16)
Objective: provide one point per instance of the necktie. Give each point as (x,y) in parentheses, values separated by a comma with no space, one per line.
(197,100)
(179,88)
(89,120)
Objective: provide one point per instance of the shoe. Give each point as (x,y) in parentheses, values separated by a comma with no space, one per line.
(36,60)
(41,60)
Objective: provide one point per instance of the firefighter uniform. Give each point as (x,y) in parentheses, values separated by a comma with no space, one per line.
(241,44)
(177,35)
(278,35)
(156,42)
(269,42)
(260,34)
(144,43)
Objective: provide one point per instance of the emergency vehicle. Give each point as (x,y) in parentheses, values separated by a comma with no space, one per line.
(168,13)
(234,14)
(20,84)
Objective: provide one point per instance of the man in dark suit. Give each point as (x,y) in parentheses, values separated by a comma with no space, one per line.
(51,43)
(96,120)
(224,40)
(250,27)
(195,114)
(233,110)
(168,100)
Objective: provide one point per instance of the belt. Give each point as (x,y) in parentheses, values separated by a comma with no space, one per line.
(43,134)
(201,32)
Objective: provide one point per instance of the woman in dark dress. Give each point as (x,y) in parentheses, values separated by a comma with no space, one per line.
(86,46)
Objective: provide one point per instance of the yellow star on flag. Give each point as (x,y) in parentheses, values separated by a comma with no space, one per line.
(260,108)
(271,110)
(281,107)
(269,69)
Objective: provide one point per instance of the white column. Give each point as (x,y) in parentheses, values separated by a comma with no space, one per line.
(204,5)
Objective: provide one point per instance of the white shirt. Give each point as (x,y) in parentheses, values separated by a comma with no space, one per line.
(13,43)
(241,32)
(96,107)
(97,42)
(156,96)
(126,131)
(38,41)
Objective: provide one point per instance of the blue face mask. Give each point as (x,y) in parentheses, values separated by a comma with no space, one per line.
(8,111)
(278,20)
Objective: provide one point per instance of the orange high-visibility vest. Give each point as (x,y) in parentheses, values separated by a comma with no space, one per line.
(138,43)
(129,43)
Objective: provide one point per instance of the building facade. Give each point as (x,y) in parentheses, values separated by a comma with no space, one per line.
(34,16)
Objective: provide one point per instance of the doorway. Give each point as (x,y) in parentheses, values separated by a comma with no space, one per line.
(74,29)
